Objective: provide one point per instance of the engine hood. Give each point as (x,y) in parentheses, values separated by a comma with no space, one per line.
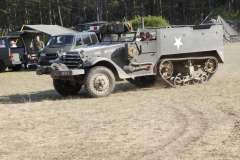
(98,46)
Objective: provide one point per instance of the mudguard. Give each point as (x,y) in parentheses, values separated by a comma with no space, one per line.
(95,60)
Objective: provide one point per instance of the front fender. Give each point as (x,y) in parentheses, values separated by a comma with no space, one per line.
(96,60)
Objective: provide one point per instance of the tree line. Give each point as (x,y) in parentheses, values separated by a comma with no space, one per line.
(67,13)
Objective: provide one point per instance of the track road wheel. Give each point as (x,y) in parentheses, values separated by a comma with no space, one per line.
(65,87)
(176,81)
(185,81)
(142,81)
(99,82)
(17,67)
(166,69)
(2,67)
(204,78)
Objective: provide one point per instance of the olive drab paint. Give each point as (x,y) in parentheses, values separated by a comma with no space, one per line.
(174,54)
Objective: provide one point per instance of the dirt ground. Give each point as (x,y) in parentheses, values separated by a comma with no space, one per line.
(197,122)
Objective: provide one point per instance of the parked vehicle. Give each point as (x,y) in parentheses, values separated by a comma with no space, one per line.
(14,56)
(60,44)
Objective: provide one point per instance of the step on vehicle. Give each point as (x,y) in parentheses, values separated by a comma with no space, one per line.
(178,56)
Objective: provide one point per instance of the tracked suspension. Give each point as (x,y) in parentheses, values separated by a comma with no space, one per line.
(176,79)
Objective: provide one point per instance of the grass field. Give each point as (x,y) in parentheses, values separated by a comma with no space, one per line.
(197,122)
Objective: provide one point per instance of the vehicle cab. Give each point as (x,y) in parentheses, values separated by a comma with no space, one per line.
(58,45)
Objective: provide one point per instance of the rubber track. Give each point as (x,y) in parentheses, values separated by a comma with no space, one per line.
(210,75)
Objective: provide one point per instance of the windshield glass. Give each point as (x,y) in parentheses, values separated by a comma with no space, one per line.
(127,37)
(110,37)
(119,37)
(15,43)
(60,41)
(2,43)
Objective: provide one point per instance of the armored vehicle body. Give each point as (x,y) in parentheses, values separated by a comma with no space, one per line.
(179,56)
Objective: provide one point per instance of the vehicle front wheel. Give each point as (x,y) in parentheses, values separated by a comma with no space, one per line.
(17,67)
(2,67)
(65,87)
(99,82)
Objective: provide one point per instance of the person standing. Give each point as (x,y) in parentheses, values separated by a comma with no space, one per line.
(37,47)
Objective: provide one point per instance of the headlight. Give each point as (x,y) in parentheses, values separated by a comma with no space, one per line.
(63,53)
(43,54)
(81,54)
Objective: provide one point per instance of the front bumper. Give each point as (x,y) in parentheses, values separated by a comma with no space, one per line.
(10,63)
(58,72)
(70,72)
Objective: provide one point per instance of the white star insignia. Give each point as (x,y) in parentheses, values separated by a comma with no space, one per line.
(178,42)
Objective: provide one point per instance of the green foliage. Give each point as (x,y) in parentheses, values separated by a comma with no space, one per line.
(150,21)
(225,14)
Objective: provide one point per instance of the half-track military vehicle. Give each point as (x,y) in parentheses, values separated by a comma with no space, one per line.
(179,56)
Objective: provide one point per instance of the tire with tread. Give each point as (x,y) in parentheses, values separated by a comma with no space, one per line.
(65,87)
(99,82)
(2,67)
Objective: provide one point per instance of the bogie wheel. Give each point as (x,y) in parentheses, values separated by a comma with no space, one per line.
(185,81)
(204,78)
(176,81)
(99,82)
(2,67)
(195,81)
(142,81)
(166,69)
(17,67)
(65,87)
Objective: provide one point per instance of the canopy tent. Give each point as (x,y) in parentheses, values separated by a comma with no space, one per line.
(231,35)
(48,29)
(234,24)
(25,33)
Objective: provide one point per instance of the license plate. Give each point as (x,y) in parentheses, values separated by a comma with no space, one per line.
(51,61)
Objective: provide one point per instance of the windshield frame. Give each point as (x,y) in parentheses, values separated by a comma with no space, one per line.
(63,44)
(119,36)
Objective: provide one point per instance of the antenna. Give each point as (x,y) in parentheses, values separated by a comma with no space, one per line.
(207,17)
(142,23)
(113,16)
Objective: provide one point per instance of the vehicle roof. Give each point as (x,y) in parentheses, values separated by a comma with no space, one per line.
(3,36)
(25,32)
(77,33)
(95,22)
(48,29)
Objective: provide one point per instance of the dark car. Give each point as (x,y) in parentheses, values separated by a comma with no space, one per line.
(14,56)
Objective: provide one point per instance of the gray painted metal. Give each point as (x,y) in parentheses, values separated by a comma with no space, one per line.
(52,52)
(68,72)
(177,42)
